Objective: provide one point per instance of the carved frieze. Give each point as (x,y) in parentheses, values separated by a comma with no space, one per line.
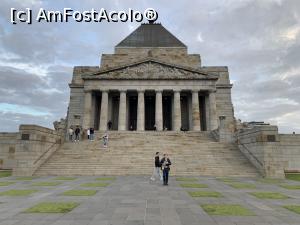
(150,71)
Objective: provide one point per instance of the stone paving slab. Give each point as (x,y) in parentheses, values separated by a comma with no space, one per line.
(133,200)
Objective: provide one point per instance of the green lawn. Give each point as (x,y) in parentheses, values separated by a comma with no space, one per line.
(80,193)
(187,179)
(25,178)
(17,192)
(52,207)
(193,185)
(65,178)
(105,178)
(97,184)
(226,210)
(269,195)
(290,187)
(5,173)
(46,184)
(211,194)
(6,183)
(293,208)
(239,185)
(271,181)
(226,179)
(293,176)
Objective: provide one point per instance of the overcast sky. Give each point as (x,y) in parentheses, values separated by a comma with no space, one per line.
(259,40)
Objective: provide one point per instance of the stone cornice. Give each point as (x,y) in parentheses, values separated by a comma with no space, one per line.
(224,86)
(150,69)
(75,85)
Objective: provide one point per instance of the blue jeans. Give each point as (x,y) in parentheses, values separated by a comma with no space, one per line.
(91,136)
(166,175)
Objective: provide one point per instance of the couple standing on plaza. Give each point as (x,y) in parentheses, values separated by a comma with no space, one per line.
(164,165)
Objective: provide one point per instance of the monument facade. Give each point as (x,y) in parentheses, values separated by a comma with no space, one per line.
(150,82)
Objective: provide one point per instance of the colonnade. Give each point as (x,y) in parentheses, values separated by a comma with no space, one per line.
(196,114)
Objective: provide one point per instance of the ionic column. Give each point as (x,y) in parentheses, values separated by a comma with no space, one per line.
(141,111)
(104,111)
(195,111)
(213,110)
(87,109)
(158,111)
(177,111)
(122,111)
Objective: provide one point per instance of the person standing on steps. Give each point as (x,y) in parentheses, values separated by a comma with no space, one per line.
(92,131)
(156,171)
(71,133)
(165,165)
(77,133)
(88,132)
(109,125)
(105,140)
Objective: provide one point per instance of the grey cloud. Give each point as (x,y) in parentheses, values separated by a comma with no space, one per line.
(10,121)
(21,88)
(244,35)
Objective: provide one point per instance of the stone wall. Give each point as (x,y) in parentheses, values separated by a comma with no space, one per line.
(8,142)
(76,107)
(290,148)
(35,144)
(271,153)
(177,56)
(223,95)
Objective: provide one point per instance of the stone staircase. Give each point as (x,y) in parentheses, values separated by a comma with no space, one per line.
(132,153)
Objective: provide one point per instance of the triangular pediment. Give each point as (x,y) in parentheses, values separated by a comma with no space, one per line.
(150,69)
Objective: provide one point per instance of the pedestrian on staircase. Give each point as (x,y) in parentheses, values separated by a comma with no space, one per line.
(165,164)
(77,132)
(105,140)
(109,125)
(88,132)
(71,133)
(157,166)
(92,131)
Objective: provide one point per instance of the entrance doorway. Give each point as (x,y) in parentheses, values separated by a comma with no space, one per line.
(115,112)
(167,112)
(132,118)
(184,112)
(202,113)
(149,112)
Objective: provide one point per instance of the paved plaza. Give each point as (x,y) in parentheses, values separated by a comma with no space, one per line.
(133,200)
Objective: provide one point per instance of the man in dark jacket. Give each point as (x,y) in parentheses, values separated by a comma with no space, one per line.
(165,164)
(77,132)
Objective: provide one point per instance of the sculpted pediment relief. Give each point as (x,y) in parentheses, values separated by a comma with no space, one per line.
(150,71)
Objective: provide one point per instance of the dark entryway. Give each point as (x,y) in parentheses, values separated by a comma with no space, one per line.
(132,118)
(115,112)
(97,110)
(167,112)
(149,112)
(202,112)
(184,112)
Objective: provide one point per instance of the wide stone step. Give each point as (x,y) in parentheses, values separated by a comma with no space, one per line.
(192,153)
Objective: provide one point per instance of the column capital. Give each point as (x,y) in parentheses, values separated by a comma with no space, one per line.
(176,90)
(158,91)
(87,91)
(123,91)
(195,90)
(212,91)
(104,90)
